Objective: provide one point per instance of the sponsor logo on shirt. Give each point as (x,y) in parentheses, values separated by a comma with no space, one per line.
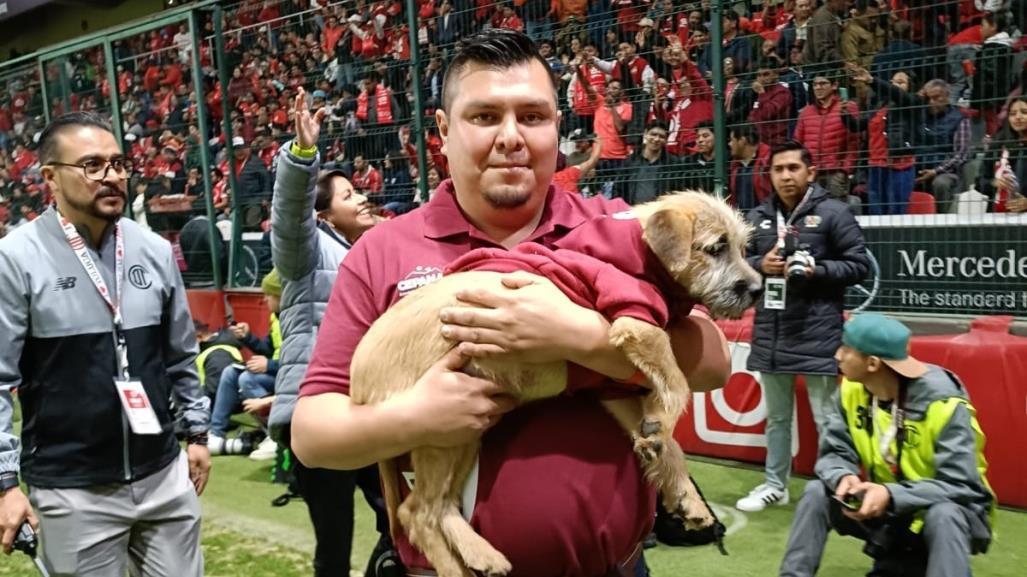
(765,225)
(417,278)
(623,215)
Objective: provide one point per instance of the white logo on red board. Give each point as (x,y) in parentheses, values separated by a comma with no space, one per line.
(719,422)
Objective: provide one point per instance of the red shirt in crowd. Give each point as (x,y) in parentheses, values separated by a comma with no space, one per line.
(368,183)
(614,145)
(560,491)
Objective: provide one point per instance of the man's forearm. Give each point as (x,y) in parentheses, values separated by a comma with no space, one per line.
(597,354)
(329,431)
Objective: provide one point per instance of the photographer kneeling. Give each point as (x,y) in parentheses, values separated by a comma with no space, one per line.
(926,506)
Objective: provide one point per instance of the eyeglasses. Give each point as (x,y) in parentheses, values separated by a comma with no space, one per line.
(96,169)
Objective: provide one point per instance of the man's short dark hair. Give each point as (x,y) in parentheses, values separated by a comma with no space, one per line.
(732,16)
(705,125)
(657,124)
(48,138)
(789,146)
(746,131)
(498,49)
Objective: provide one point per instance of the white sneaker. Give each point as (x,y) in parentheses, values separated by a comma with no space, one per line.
(265,451)
(760,497)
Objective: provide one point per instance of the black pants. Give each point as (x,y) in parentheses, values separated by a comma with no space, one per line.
(329,498)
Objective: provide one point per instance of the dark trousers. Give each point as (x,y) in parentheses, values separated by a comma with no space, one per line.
(329,498)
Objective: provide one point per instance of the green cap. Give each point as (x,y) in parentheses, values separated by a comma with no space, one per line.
(885,338)
(272,283)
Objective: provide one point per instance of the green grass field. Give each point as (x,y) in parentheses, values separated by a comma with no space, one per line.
(245,536)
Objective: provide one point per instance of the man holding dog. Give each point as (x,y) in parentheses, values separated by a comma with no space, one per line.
(559,490)
(809,247)
(923,501)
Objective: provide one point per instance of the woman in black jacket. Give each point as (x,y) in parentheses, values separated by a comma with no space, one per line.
(890,131)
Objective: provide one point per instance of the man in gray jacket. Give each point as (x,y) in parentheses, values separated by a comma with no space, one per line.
(97,341)
(314,222)
(901,464)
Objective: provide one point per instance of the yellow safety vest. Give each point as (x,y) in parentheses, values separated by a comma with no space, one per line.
(202,358)
(917,461)
(276,336)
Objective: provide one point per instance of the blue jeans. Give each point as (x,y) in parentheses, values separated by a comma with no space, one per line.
(235,386)
(888,190)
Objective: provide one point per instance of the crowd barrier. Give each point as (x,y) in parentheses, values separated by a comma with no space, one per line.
(729,423)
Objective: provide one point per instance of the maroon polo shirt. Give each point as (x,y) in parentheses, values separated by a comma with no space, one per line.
(560,491)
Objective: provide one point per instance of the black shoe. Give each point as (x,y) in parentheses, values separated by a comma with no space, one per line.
(650,541)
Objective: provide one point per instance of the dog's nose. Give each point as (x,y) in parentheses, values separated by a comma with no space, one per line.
(752,289)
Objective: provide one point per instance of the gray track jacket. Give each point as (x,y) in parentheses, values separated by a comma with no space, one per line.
(57,348)
(307,259)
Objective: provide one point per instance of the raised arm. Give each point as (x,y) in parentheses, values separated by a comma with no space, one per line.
(294,237)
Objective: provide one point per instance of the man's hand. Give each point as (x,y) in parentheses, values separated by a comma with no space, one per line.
(875,501)
(926,175)
(15,510)
(449,408)
(308,126)
(199,466)
(1006,182)
(772,263)
(846,485)
(534,322)
(257,364)
(1017,204)
(241,330)
(258,406)
(757,87)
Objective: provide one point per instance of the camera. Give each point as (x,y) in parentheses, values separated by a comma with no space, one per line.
(882,540)
(796,259)
(797,263)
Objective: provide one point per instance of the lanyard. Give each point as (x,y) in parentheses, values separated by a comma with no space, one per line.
(784,226)
(78,245)
(895,432)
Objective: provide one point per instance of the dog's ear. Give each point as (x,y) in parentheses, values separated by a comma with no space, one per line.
(668,232)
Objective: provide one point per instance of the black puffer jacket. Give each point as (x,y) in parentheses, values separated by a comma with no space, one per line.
(804,337)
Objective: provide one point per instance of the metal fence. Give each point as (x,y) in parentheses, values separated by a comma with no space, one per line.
(909,108)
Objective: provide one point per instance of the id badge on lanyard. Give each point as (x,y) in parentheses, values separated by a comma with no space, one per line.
(775,289)
(131,394)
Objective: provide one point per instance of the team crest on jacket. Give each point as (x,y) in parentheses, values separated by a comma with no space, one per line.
(139,277)
(812,221)
(417,278)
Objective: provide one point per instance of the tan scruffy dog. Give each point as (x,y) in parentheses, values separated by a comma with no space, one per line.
(700,242)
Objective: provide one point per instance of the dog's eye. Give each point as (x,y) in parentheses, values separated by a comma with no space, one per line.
(716,249)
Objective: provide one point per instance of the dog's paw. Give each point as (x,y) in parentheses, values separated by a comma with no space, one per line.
(692,512)
(489,563)
(648,449)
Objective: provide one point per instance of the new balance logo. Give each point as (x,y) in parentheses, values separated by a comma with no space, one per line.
(64,283)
